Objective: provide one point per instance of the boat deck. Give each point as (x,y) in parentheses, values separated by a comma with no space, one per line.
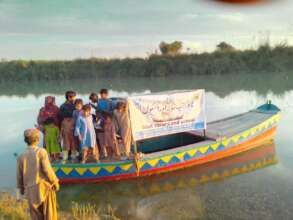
(233,125)
(219,129)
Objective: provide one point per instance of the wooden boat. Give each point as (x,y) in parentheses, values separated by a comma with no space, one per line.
(220,139)
(255,159)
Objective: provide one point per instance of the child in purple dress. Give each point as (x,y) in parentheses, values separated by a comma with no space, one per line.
(110,138)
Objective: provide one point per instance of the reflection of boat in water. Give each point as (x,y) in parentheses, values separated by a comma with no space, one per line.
(146,194)
(257,158)
(254,159)
(223,138)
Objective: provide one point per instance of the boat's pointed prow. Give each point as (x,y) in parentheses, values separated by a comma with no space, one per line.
(268,108)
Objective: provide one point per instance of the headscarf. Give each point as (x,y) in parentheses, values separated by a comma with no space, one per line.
(49,101)
(50,110)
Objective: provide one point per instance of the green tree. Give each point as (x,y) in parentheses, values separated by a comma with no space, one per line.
(225,47)
(170,48)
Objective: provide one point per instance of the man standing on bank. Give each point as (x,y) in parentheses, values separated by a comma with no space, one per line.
(36,178)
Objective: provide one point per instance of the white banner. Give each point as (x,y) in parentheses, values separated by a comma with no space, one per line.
(160,114)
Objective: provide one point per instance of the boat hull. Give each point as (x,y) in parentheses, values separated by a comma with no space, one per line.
(178,158)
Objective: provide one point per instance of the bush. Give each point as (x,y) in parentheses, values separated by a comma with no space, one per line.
(12,209)
(224,61)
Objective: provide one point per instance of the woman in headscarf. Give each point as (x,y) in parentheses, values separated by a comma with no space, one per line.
(50,110)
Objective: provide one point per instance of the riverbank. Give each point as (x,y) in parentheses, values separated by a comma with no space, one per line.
(10,208)
(261,60)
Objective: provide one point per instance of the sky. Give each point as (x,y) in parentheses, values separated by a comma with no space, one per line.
(63,29)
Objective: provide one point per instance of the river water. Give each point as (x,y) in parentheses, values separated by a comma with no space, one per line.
(255,185)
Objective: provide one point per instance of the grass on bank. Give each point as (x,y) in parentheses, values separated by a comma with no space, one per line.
(11,209)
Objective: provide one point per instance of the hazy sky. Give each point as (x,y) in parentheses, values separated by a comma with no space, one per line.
(66,29)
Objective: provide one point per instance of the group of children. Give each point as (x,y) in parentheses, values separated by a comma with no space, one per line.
(99,129)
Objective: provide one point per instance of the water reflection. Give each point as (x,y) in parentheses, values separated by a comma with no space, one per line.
(221,85)
(169,195)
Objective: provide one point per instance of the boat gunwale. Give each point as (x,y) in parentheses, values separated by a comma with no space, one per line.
(194,147)
(173,167)
(170,152)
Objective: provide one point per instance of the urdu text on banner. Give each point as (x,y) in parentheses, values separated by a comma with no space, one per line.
(160,114)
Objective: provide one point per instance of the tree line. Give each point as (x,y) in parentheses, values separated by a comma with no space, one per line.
(224,60)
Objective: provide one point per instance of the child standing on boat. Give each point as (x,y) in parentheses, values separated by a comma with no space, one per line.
(52,138)
(123,126)
(94,99)
(104,103)
(67,126)
(76,113)
(110,138)
(85,131)
(104,106)
(78,108)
